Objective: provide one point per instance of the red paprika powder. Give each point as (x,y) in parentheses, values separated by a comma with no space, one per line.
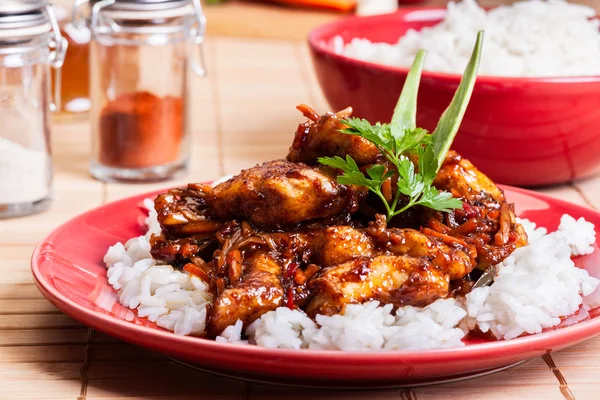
(140,130)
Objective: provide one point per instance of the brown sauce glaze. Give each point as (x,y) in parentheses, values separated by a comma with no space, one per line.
(287,233)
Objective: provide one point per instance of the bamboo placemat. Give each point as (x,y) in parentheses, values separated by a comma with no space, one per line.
(243,114)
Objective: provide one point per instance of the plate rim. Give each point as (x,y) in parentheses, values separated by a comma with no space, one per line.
(112,325)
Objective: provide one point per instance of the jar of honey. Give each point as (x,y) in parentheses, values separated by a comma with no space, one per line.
(75,87)
(140,58)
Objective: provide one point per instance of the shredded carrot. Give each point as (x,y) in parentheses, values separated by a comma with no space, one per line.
(311,270)
(195,270)
(299,277)
(501,236)
(468,227)
(386,190)
(220,284)
(340,5)
(438,226)
(449,240)
(494,214)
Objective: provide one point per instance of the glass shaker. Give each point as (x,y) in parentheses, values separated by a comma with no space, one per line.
(75,89)
(140,58)
(30,43)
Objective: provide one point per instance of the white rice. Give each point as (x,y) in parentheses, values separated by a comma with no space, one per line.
(362,327)
(533,231)
(173,299)
(529,38)
(579,235)
(232,334)
(536,286)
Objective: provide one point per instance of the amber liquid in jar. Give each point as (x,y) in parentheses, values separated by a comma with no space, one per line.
(75,88)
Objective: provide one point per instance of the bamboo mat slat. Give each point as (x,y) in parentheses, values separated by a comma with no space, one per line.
(37,321)
(243,113)
(27,306)
(21,372)
(49,336)
(21,291)
(109,352)
(35,389)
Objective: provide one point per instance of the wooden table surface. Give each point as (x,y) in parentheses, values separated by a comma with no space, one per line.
(243,114)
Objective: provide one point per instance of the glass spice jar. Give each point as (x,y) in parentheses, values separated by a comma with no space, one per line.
(140,57)
(30,43)
(75,88)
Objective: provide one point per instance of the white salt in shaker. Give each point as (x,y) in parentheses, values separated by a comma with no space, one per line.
(30,43)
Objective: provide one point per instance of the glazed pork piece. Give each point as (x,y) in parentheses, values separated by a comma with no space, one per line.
(454,259)
(398,280)
(187,230)
(486,221)
(280,193)
(260,290)
(183,212)
(397,266)
(337,244)
(321,136)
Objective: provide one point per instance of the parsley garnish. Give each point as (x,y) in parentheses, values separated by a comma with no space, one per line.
(401,138)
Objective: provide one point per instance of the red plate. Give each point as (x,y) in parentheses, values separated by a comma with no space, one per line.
(68,270)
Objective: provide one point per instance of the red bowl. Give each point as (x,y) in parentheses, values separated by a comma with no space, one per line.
(519,131)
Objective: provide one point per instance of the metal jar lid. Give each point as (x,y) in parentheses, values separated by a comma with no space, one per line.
(12,7)
(109,16)
(20,20)
(144,5)
(24,20)
(144,9)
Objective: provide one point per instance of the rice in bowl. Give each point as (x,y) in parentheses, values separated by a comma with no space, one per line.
(533,38)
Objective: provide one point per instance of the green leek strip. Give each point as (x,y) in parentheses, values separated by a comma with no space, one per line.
(452,117)
(405,113)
